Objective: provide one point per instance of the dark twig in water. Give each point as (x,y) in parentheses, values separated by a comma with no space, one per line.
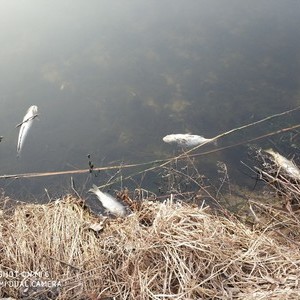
(29,119)
(91,165)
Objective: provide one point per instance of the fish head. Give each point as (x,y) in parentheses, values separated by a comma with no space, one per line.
(33,109)
(168,138)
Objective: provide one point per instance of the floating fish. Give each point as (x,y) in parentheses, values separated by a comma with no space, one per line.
(285,164)
(1,138)
(25,126)
(187,140)
(109,202)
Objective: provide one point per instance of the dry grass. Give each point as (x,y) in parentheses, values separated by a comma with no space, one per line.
(164,251)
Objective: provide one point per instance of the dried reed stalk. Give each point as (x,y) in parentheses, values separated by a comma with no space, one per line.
(163,251)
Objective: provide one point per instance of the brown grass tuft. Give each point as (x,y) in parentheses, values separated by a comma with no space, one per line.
(164,251)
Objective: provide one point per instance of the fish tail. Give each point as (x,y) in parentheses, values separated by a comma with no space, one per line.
(18,151)
(269,150)
(94,189)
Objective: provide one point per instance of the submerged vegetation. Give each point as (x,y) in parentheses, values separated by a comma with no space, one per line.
(178,248)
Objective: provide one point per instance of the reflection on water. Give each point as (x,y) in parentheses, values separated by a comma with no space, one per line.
(111,79)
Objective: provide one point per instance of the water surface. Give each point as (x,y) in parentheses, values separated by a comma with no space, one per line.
(112,78)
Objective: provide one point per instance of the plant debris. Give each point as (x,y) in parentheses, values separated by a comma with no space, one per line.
(168,250)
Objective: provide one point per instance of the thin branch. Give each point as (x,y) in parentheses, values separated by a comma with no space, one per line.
(29,119)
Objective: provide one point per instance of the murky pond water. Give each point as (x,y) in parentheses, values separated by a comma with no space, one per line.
(111,78)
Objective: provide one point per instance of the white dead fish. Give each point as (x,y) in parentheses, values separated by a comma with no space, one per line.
(187,140)
(25,126)
(287,165)
(109,202)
